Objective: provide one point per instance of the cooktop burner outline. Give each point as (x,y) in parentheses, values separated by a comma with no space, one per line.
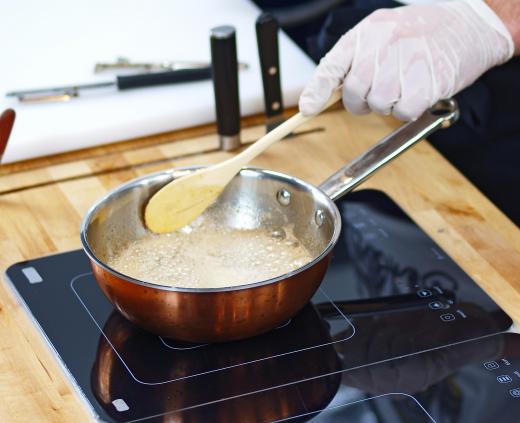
(192,347)
(245,363)
(165,342)
(288,419)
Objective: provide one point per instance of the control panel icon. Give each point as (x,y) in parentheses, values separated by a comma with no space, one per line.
(437,305)
(515,392)
(448,317)
(504,378)
(491,365)
(423,293)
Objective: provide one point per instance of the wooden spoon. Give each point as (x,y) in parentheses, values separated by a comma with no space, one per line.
(181,201)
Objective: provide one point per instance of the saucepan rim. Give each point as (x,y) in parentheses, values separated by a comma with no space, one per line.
(278,175)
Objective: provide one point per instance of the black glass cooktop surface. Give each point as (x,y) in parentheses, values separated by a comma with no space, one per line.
(397,332)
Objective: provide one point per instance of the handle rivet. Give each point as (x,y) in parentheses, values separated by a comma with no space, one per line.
(273,70)
(319,217)
(284,197)
(279,234)
(275,105)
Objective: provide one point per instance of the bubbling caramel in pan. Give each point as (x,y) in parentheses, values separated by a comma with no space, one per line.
(208,256)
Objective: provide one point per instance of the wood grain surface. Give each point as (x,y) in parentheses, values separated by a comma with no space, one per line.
(45,219)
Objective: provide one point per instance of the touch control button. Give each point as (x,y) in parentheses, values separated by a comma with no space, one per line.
(448,317)
(504,378)
(515,392)
(491,365)
(423,293)
(437,305)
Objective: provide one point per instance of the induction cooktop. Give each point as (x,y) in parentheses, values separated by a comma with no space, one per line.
(397,332)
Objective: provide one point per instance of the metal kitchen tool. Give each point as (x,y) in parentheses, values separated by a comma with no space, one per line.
(225,84)
(123,63)
(122,82)
(266,200)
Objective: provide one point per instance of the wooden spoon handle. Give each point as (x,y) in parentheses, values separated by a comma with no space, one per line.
(277,134)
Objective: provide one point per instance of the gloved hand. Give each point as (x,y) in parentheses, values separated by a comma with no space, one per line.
(403,60)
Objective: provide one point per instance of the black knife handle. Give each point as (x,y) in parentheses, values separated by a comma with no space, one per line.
(267,40)
(162,78)
(225,80)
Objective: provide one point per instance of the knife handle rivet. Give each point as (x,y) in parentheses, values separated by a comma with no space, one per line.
(273,70)
(275,105)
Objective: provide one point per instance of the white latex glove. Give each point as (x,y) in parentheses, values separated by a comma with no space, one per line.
(403,60)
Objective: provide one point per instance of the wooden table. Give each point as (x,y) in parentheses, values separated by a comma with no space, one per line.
(45,219)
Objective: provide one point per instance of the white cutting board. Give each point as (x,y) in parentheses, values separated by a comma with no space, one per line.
(49,43)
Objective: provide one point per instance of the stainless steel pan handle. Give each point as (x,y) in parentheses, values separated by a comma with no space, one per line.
(442,115)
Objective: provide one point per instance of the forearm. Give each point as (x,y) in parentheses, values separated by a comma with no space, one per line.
(509,12)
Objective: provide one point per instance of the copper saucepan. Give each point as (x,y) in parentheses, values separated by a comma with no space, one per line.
(255,198)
